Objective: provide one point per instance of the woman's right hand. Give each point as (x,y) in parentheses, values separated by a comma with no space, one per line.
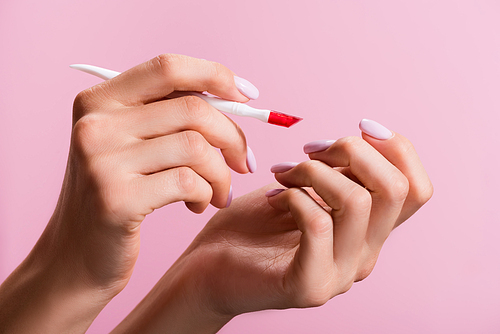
(132,151)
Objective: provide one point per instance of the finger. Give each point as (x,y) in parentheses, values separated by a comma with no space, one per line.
(312,267)
(173,185)
(387,185)
(160,76)
(187,148)
(190,113)
(401,153)
(350,204)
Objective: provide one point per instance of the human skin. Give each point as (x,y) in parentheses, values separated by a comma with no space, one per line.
(132,151)
(298,248)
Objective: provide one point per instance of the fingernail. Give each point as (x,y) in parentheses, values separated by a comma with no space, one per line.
(251,162)
(283,167)
(229,197)
(375,129)
(274,192)
(246,88)
(317,146)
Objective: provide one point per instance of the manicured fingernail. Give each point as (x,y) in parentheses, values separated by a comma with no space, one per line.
(317,146)
(251,162)
(375,129)
(274,192)
(246,88)
(283,167)
(229,197)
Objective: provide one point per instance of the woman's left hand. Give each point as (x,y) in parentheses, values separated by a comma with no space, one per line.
(304,248)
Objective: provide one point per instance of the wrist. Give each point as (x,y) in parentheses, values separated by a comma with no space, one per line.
(85,252)
(39,297)
(177,304)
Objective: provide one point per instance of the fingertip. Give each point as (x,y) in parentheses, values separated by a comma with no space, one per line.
(229,196)
(224,84)
(318,146)
(274,192)
(283,167)
(238,155)
(246,88)
(375,129)
(396,142)
(197,208)
(277,199)
(239,166)
(251,161)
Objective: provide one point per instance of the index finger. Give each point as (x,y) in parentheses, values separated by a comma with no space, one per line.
(160,76)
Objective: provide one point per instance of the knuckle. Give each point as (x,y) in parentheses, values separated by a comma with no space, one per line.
(363,273)
(419,192)
(195,110)
(365,270)
(186,180)
(315,298)
(399,188)
(83,103)
(165,64)
(91,99)
(346,280)
(312,167)
(85,134)
(350,144)
(83,97)
(346,286)
(423,193)
(319,225)
(217,71)
(194,143)
(359,199)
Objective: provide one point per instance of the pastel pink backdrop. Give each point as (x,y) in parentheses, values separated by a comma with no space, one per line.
(427,69)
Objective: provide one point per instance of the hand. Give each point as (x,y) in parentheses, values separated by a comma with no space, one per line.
(304,248)
(133,151)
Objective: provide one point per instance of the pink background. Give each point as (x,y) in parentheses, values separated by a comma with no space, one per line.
(427,69)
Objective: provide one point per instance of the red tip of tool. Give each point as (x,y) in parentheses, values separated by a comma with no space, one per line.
(278,118)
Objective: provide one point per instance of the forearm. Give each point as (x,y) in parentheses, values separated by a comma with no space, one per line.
(174,305)
(41,297)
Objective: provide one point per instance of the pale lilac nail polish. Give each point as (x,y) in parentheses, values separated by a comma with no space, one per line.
(274,192)
(283,167)
(251,162)
(375,129)
(230,196)
(317,146)
(246,88)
